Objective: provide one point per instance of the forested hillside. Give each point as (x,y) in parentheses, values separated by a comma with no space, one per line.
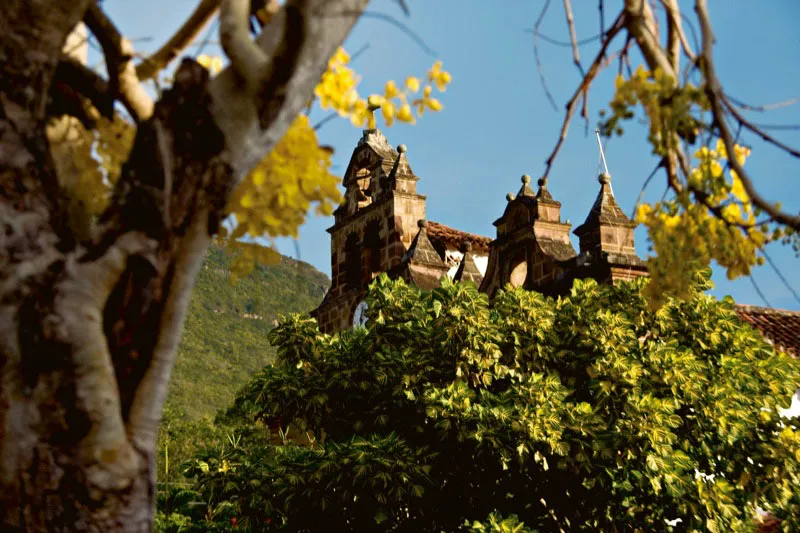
(225,337)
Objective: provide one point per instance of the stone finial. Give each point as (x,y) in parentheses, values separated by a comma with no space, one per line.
(604,178)
(510,197)
(466,247)
(401,148)
(543,194)
(526,190)
(422,223)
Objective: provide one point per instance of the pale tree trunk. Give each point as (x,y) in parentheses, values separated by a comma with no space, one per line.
(89,326)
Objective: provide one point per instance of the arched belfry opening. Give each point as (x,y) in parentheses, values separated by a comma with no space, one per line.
(373,246)
(352,261)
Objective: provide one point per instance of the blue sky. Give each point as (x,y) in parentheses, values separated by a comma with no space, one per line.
(497,123)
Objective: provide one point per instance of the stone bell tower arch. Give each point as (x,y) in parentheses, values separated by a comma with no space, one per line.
(373,228)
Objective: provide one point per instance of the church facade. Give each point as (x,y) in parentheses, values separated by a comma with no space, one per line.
(382,226)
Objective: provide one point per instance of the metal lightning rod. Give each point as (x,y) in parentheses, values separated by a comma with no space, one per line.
(602,155)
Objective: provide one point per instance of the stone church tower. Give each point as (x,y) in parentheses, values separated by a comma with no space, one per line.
(382,227)
(374,229)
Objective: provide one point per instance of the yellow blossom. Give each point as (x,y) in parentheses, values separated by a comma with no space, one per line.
(388,111)
(404,114)
(212,63)
(390,90)
(438,76)
(412,83)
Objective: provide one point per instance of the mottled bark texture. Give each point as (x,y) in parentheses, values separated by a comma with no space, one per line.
(89,326)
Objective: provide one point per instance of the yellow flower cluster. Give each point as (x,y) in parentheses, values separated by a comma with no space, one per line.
(338,91)
(686,235)
(274,199)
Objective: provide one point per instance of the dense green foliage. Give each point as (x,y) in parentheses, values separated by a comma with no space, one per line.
(224,343)
(591,413)
(225,338)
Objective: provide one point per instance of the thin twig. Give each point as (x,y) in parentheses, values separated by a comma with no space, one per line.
(765,107)
(565,44)
(180,40)
(576,56)
(758,290)
(585,82)
(536,55)
(207,39)
(785,127)
(780,275)
(755,129)
(325,120)
(403,28)
(644,187)
(602,11)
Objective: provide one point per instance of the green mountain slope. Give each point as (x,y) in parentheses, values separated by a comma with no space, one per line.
(225,337)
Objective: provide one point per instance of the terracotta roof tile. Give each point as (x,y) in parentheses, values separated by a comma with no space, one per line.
(780,327)
(452,239)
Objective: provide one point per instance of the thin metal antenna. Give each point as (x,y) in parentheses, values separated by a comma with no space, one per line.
(602,155)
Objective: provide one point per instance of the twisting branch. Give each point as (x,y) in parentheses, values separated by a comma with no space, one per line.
(615,28)
(283,63)
(716,98)
(641,25)
(118,52)
(298,40)
(150,66)
(576,56)
(675,35)
(247,59)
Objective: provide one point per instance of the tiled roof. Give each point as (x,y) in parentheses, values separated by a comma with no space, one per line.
(560,251)
(780,327)
(452,239)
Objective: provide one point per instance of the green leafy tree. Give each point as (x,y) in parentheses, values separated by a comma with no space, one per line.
(592,412)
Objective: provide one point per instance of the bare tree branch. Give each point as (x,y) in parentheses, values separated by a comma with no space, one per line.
(403,28)
(247,59)
(716,99)
(765,107)
(151,65)
(583,86)
(146,408)
(83,295)
(576,57)
(602,12)
(780,275)
(118,52)
(641,24)
(758,131)
(675,35)
(565,44)
(326,23)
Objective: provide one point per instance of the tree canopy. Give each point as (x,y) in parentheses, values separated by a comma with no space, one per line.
(446,412)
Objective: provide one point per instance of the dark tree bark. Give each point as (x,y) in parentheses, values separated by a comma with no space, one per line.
(89,326)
